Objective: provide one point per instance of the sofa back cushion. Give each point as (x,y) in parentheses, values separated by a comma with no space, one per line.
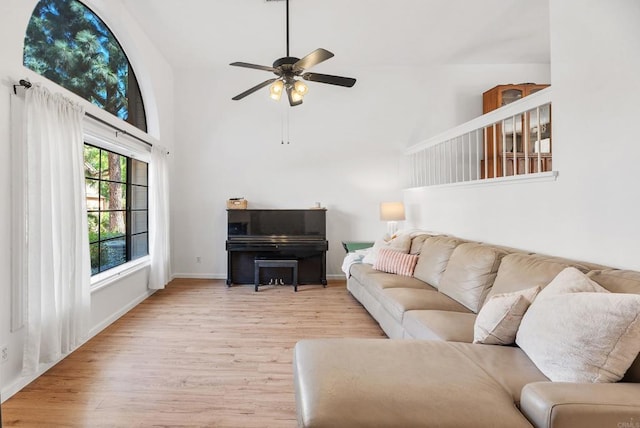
(621,281)
(470,273)
(417,242)
(521,271)
(434,256)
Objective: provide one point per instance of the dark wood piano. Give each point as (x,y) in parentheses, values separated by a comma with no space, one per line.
(277,234)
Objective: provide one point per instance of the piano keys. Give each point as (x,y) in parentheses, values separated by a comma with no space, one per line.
(277,234)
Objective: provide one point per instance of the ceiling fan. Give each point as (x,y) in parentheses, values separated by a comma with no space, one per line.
(289,68)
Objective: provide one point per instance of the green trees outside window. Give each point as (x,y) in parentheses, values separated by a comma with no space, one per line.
(117,208)
(68,44)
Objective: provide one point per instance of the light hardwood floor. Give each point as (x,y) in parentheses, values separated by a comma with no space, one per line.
(197,354)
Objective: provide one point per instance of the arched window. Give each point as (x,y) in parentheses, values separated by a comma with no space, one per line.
(67,43)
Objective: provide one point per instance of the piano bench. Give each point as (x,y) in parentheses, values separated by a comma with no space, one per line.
(275,263)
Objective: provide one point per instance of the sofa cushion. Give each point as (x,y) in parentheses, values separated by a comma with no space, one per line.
(470,273)
(582,266)
(439,325)
(378,280)
(397,383)
(507,365)
(399,300)
(616,280)
(417,241)
(498,320)
(395,262)
(434,256)
(522,271)
(621,281)
(595,405)
(577,331)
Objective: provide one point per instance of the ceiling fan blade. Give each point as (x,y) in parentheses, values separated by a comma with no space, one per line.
(314,58)
(332,80)
(292,102)
(255,88)
(256,66)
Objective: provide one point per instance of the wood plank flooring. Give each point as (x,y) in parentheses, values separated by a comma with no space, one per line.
(197,354)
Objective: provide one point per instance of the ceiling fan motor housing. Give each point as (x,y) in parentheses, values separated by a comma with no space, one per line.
(285,62)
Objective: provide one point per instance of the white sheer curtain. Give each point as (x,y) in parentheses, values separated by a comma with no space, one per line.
(159,245)
(59,271)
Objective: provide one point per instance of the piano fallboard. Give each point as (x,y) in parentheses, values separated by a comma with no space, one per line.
(276,245)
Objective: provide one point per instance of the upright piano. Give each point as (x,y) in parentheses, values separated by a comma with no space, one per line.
(277,234)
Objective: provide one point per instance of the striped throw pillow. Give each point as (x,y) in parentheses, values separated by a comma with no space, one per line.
(395,262)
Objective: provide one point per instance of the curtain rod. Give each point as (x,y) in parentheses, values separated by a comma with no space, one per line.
(26,84)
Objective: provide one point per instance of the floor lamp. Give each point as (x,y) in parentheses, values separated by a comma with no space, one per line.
(392,213)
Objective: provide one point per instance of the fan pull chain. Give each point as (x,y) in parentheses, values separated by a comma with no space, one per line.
(284,125)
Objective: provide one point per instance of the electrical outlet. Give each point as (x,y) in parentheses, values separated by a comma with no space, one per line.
(198,259)
(4,354)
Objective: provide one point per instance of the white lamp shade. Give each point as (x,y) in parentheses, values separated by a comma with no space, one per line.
(392,211)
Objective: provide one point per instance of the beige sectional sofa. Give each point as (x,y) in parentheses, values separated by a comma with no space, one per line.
(434,375)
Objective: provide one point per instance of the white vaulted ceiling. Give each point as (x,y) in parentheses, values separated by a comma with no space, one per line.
(213,33)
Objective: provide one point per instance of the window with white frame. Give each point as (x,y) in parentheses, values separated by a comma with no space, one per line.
(67,43)
(117,207)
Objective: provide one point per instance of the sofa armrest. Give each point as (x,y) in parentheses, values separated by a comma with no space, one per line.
(560,404)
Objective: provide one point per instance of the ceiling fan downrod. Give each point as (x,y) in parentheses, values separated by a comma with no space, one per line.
(287,27)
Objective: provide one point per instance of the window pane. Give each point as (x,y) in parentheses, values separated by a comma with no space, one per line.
(94,200)
(112,224)
(94,249)
(91,161)
(68,44)
(114,167)
(92,219)
(138,198)
(113,196)
(112,253)
(139,246)
(123,169)
(138,221)
(139,172)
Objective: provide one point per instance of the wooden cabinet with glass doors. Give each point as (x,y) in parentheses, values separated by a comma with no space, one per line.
(512,152)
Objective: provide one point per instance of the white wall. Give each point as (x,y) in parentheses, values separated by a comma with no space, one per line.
(591,212)
(156,81)
(345,149)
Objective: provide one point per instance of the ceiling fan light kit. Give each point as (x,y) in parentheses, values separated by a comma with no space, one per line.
(289,70)
(275,90)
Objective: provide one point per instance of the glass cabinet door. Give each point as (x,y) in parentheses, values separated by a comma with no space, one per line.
(510,95)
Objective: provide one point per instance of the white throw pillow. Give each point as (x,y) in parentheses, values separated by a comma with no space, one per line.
(571,280)
(576,331)
(498,320)
(401,243)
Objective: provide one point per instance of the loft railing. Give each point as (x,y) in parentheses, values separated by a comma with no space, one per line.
(512,141)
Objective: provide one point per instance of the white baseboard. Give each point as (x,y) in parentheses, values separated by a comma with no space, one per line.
(199,275)
(114,317)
